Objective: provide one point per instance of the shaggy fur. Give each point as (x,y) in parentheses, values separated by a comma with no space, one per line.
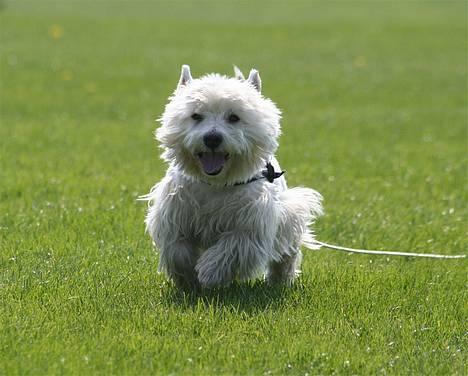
(211,224)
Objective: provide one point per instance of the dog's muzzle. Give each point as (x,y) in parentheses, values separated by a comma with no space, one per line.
(212,139)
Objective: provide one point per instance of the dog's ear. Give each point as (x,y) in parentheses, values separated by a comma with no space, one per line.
(254,80)
(185,76)
(238,74)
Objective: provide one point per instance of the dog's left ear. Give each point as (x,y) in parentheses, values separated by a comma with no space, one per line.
(254,80)
(185,76)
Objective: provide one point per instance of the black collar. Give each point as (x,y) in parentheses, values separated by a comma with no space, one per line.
(268,173)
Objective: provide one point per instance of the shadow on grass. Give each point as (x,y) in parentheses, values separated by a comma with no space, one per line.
(250,297)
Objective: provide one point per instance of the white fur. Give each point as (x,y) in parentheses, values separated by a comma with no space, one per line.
(210,230)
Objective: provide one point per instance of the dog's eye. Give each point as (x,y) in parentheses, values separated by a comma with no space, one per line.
(233,118)
(197,117)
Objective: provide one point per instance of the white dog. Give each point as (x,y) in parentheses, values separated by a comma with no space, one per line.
(223,210)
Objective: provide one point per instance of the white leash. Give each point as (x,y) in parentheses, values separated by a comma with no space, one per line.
(371,252)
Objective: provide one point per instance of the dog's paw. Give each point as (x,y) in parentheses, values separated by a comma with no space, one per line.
(275,280)
(213,271)
(186,283)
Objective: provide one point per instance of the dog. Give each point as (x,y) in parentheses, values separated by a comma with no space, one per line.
(223,211)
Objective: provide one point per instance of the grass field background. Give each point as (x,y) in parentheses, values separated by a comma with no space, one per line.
(375,118)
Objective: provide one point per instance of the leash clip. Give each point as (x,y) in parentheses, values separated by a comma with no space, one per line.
(270,174)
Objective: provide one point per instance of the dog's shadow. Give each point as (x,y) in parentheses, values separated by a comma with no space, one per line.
(251,298)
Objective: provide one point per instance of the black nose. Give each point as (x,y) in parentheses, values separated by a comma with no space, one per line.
(212,139)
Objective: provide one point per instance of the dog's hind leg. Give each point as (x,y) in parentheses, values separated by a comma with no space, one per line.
(299,208)
(286,270)
(287,243)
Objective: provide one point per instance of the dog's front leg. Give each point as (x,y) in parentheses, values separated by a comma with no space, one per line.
(234,255)
(178,260)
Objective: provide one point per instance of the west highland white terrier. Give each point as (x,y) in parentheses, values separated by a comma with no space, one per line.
(223,211)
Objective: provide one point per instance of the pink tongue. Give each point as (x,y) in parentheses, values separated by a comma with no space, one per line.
(212,163)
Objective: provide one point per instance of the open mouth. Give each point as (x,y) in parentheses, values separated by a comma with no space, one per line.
(212,162)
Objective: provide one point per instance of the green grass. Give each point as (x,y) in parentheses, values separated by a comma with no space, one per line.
(375,118)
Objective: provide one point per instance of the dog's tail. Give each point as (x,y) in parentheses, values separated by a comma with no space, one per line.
(300,207)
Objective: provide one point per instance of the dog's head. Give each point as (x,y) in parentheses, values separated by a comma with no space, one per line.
(218,129)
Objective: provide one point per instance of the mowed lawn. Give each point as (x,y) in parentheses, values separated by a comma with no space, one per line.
(375,118)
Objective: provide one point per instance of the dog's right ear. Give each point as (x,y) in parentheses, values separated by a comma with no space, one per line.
(238,74)
(185,76)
